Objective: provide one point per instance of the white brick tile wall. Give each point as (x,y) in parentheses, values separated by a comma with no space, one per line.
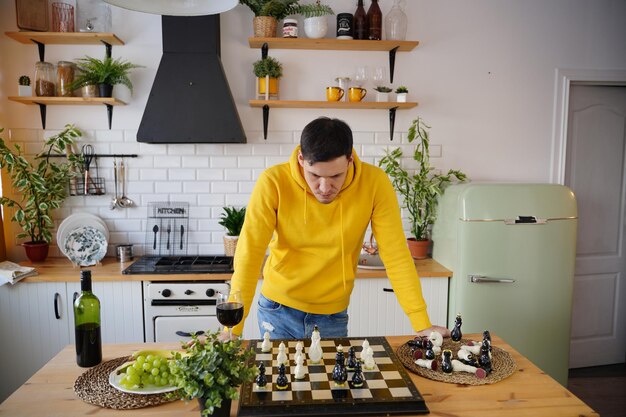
(207,176)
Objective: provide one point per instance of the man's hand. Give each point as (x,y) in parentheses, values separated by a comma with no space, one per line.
(426,332)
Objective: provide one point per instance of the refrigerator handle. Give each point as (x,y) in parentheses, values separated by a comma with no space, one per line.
(481,279)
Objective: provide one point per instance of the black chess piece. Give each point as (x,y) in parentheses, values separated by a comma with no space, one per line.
(340,374)
(352,361)
(456,334)
(281,381)
(487,337)
(357,377)
(446,361)
(261,379)
(484,360)
(419,342)
(430,353)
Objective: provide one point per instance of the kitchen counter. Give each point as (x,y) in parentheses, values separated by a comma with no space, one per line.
(62,270)
(527,392)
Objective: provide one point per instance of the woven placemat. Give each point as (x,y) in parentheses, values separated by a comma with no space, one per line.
(93,387)
(501,361)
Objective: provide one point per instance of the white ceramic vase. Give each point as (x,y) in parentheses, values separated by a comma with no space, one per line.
(401,97)
(316,27)
(24,90)
(380,97)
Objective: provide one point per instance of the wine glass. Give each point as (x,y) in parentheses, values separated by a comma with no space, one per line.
(360,77)
(378,76)
(229,310)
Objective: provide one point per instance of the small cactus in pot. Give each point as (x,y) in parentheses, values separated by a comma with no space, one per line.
(401,94)
(24,89)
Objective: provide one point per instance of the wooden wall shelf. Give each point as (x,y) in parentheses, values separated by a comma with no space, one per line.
(299,104)
(328,44)
(65,38)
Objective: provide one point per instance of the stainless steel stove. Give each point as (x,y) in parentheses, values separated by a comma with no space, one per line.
(202,264)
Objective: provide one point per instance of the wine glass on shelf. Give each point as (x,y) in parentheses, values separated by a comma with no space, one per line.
(360,77)
(378,77)
(229,310)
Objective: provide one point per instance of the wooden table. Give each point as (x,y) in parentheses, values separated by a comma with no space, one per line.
(528,392)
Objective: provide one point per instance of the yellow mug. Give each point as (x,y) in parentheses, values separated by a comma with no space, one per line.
(334,93)
(356,93)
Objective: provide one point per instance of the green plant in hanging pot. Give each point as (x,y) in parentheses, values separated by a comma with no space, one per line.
(267,13)
(420,188)
(212,371)
(39,187)
(105,73)
(232,220)
(268,71)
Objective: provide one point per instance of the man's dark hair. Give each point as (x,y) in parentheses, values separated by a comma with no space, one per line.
(325,139)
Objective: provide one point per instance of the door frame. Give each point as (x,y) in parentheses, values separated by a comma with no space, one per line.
(564,78)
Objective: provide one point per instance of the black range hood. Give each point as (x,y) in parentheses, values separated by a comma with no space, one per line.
(190,100)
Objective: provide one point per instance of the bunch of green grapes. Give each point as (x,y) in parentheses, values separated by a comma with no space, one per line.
(147,370)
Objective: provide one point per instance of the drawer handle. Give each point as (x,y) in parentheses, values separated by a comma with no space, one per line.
(481,279)
(57,297)
(185,334)
(388,289)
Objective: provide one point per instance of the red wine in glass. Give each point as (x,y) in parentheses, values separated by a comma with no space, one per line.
(229,310)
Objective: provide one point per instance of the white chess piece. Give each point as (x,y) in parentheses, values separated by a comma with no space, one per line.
(266,346)
(315,350)
(365,346)
(369,362)
(298,373)
(299,349)
(436,338)
(281,358)
(475,349)
(458,366)
(428,364)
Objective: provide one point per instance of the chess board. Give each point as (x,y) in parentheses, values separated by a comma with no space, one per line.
(387,390)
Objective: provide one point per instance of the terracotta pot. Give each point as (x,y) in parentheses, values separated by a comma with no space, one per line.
(264,26)
(418,248)
(36,251)
(223,411)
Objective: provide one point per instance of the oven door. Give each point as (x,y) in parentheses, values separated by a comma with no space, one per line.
(179,328)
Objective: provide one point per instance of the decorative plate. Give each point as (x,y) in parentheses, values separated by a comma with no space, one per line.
(85,246)
(114,380)
(76,220)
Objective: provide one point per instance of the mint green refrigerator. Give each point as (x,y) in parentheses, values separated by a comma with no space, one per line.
(512,250)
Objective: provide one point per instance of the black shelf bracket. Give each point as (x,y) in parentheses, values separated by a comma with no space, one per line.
(100,155)
(392,121)
(266,119)
(42,112)
(264,50)
(108,48)
(392,62)
(109,114)
(42,49)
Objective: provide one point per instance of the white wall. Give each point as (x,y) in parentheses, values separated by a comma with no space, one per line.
(484,75)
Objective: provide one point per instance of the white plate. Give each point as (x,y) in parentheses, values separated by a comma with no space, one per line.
(76,220)
(85,246)
(114,380)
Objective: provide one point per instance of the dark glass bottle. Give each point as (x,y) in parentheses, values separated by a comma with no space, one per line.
(361,28)
(375,21)
(87,324)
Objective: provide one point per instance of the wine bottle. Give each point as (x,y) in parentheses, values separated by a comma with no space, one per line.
(375,21)
(87,324)
(361,28)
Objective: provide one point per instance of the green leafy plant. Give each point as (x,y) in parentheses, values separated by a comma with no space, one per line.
(232,219)
(42,187)
(24,80)
(382,89)
(421,189)
(312,10)
(278,9)
(267,66)
(106,71)
(211,370)
(402,89)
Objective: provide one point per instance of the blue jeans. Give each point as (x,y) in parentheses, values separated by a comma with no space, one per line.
(288,323)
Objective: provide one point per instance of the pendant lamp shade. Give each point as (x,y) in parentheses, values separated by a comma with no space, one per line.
(176,7)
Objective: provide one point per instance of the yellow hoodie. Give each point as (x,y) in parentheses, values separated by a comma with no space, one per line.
(314,248)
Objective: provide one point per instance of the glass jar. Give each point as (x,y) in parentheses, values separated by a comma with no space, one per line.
(65,77)
(44,79)
(396,22)
(290,28)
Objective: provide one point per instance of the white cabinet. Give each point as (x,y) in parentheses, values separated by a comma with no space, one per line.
(36,322)
(374,311)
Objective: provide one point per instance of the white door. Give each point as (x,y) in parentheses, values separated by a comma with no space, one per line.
(595,171)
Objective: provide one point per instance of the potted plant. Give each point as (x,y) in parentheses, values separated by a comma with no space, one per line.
(39,188)
(24,89)
(232,220)
(420,189)
(382,93)
(401,94)
(268,71)
(315,22)
(266,15)
(212,372)
(105,73)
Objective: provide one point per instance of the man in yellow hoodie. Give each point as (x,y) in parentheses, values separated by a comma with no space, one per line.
(313,212)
